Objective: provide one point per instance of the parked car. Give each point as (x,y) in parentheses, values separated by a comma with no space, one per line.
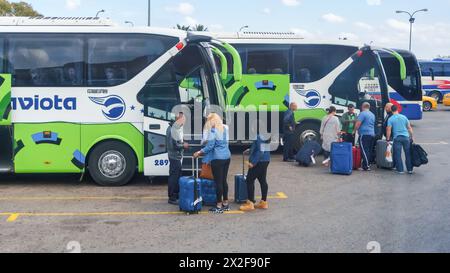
(446,100)
(429,104)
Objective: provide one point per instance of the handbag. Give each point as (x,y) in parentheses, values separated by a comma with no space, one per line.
(206,172)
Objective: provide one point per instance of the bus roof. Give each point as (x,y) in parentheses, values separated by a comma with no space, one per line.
(275,38)
(77,25)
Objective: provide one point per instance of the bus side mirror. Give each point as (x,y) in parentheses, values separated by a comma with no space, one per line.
(432,74)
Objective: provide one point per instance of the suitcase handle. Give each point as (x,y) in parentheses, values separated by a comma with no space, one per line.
(195,166)
(243,163)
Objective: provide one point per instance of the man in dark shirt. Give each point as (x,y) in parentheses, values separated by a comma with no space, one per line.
(289,126)
(175,147)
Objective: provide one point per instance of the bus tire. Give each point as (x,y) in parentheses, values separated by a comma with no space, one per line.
(306,131)
(436,95)
(427,106)
(112,164)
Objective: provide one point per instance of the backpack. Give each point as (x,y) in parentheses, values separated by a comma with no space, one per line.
(419,156)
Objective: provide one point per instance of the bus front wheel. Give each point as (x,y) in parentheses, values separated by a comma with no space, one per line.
(112,164)
(308,131)
(427,106)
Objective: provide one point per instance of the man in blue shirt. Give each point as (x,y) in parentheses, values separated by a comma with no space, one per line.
(289,126)
(400,128)
(366,130)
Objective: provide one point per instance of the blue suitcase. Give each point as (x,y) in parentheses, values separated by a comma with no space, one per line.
(342,158)
(240,186)
(209,192)
(191,192)
(310,150)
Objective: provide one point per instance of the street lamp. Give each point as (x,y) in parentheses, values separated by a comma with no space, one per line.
(412,20)
(129,22)
(242,28)
(100,11)
(149,12)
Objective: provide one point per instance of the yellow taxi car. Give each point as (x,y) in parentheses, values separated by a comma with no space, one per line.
(429,104)
(446,100)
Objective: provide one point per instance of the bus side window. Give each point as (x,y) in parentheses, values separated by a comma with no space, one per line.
(41,60)
(2,56)
(161,93)
(270,59)
(116,59)
(446,70)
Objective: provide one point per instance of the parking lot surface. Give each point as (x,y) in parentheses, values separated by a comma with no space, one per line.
(310,211)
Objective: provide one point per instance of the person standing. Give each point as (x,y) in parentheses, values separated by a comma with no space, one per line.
(348,125)
(219,152)
(365,126)
(289,126)
(259,162)
(330,131)
(389,114)
(401,130)
(175,147)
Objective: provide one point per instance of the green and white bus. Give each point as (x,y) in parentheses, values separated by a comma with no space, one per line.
(81,94)
(280,68)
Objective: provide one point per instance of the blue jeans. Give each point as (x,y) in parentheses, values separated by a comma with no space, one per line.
(402,143)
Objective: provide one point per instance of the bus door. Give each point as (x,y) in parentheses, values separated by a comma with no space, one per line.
(184,84)
(356,83)
(6,132)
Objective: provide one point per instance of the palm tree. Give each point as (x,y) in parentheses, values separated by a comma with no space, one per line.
(200,28)
(183,27)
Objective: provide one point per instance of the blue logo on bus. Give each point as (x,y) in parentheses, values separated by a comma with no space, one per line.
(114,107)
(312,98)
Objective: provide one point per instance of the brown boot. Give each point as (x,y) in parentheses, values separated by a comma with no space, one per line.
(262,205)
(249,206)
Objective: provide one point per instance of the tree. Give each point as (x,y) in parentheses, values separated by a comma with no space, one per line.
(200,28)
(189,28)
(183,27)
(17,9)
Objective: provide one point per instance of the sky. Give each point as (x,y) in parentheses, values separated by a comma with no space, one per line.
(362,21)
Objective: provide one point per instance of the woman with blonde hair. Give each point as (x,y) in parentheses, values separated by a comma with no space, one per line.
(218,150)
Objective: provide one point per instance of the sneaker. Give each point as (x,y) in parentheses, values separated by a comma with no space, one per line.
(174,202)
(400,173)
(410,173)
(264,205)
(249,206)
(216,210)
(226,208)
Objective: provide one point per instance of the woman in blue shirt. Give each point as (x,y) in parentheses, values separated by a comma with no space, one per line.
(218,151)
(258,164)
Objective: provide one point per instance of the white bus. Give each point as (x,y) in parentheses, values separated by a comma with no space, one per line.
(81,94)
(280,68)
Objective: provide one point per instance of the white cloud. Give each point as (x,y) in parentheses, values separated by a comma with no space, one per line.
(374,2)
(73,4)
(184,8)
(216,27)
(304,33)
(291,3)
(398,25)
(267,11)
(190,21)
(363,25)
(333,18)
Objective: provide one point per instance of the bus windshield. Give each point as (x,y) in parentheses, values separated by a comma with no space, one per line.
(410,88)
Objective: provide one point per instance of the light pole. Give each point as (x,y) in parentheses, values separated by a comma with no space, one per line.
(129,22)
(412,20)
(242,28)
(149,12)
(100,11)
